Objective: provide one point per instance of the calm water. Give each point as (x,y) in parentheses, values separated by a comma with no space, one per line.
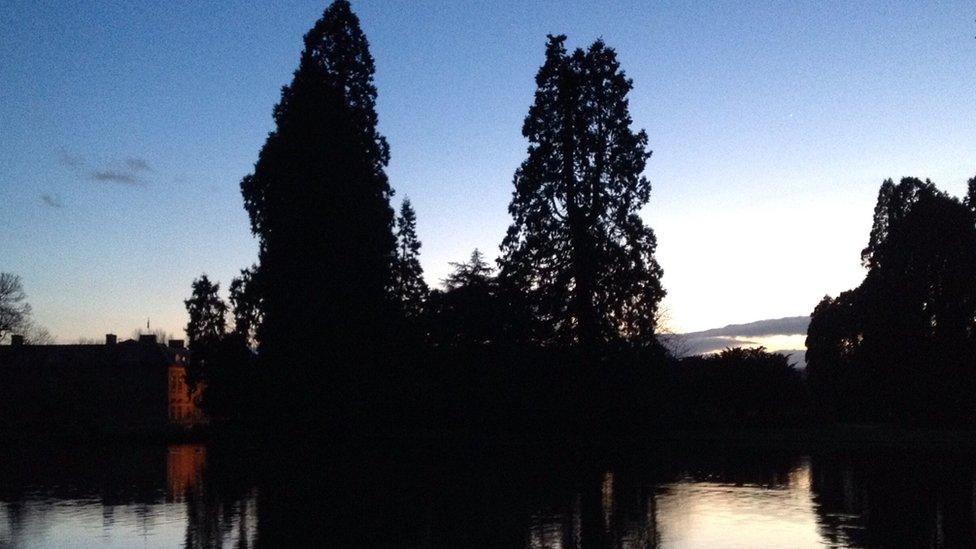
(707,496)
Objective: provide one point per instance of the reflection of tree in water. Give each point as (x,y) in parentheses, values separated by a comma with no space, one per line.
(613,510)
(895,499)
(137,483)
(12,527)
(543,498)
(471,496)
(214,520)
(218,487)
(517,497)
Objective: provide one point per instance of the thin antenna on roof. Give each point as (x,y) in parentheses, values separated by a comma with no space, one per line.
(147,323)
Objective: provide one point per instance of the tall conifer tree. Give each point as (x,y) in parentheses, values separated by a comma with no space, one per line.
(319,202)
(475,272)
(577,246)
(971,194)
(207,312)
(246,293)
(408,276)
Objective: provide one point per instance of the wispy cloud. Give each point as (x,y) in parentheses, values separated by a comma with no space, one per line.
(696,345)
(113,176)
(130,172)
(137,164)
(51,201)
(70,161)
(791,325)
(778,334)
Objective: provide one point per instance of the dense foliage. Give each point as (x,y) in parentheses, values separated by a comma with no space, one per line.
(409,286)
(902,346)
(564,331)
(220,361)
(578,248)
(319,203)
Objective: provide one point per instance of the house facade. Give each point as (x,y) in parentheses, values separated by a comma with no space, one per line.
(132,385)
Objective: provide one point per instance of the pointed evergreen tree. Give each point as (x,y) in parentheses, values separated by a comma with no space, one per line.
(206,328)
(971,194)
(319,203)
(245,300)
(220,362)
(409,286)
(577,246)
(471,309)
(208,314)
(475,272)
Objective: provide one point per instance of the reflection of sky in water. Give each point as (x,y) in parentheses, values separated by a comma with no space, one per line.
(171,515)
(688,513)
(693,514)
(83,524)
(702,497)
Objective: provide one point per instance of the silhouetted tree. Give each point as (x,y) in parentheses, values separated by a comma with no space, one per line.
(470,310)
(14,309)
(577,246)
(205,329)
(221,361)
(408,276)
(740,387)
(833,339)
(971,194)
(208,313)
(227,371)
(35,334)
(245,297)
(908,332)
(476,272)
(920,319)
(16,316)
(892,206)
(319,203)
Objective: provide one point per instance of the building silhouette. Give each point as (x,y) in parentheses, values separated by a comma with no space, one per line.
(128,386)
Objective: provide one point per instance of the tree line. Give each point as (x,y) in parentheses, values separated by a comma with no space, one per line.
(342,292)
(336,326)
(901,347)
(344,310)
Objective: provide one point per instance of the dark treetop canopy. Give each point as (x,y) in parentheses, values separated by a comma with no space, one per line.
(319,202)
(577,246)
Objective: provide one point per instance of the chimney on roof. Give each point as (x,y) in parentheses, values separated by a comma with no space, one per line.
(176,344)
(111,339)
(17,340)
(147,339)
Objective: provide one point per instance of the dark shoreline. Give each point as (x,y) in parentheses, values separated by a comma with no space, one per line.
(840,436)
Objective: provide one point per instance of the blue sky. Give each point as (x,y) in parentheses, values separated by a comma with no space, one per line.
(125,128)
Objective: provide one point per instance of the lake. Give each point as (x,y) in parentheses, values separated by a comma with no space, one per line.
(669,495)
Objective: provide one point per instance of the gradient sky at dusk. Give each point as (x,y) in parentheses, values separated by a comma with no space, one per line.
(125,129)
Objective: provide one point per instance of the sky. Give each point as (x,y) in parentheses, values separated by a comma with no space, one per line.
(125,128)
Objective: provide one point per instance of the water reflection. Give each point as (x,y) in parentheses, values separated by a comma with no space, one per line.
(184,470)
(193,495)
(119,496)
(875,499)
